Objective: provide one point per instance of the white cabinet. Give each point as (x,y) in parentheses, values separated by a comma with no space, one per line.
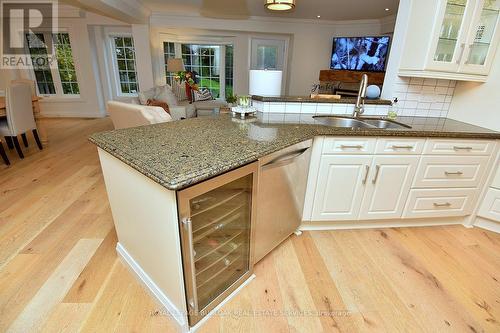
(440,202)
(463,39)
(340,186)
(490,208)
(388,187)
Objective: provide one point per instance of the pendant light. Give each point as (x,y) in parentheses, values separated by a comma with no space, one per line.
(280,5)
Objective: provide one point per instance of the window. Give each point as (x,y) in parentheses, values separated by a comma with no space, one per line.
(213,65)
(53,81)
(169,52)
(125,63)
(268,53)
(65,64)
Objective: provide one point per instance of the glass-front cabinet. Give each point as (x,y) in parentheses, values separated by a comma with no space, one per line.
(465,36)
(483,38)
(216,223)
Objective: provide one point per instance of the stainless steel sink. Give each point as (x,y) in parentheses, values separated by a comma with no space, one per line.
(342,122)
(335,121)
(384,123)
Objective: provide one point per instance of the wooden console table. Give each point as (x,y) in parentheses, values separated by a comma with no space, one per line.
(36,112)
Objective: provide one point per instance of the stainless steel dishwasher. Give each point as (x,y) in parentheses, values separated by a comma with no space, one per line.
(281,193)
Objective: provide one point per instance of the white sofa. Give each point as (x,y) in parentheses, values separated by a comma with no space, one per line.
(124,115)
(177,101)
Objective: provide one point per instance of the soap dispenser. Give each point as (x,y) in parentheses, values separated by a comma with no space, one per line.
(393,110)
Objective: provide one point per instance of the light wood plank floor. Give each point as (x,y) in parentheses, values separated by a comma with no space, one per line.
(59,271)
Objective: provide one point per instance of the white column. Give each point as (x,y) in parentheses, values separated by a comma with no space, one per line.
(144,63)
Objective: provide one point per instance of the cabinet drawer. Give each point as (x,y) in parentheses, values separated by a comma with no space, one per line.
(458,147)
(440,202)
(349,145)
(450,171)
(490,208)
(399,146)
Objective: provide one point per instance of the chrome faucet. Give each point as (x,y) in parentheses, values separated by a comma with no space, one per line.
(359,108)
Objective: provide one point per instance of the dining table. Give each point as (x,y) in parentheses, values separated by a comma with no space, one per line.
(36,113)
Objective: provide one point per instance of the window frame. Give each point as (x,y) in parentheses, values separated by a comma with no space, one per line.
(54,70)
(114,64)
(208,42)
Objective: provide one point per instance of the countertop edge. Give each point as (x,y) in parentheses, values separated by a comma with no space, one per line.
(300,99)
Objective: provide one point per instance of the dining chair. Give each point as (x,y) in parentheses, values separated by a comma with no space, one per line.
(3,154)
(20,117)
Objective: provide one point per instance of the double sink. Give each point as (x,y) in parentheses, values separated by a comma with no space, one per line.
(360,122)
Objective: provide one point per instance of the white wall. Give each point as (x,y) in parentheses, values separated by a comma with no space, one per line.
(309,48)
(479,103)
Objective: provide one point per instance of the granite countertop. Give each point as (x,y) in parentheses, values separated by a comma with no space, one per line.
(182,153)
(307,99)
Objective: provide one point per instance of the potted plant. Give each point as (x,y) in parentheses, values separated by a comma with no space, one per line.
(231,100)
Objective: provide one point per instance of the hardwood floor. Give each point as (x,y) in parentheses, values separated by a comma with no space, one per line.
(59,271)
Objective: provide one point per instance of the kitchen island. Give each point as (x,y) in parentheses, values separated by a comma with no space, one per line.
(183,194)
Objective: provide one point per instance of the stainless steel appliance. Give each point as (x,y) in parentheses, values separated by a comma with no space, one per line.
(216,227)
(282,188)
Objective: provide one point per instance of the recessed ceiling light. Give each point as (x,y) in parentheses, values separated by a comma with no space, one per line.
(387,9)
(280,5)
(319,16)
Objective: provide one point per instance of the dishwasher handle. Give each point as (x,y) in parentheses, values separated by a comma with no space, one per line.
(284,159)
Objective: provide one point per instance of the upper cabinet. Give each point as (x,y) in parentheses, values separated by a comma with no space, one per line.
(451,39)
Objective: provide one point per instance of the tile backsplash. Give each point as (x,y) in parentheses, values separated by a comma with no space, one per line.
(424,97)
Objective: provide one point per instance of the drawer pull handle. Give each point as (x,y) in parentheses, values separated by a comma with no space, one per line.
(446,204)
(458,173)
(367,168)
(377,170)
(402,147)
(352,146)
(461,148)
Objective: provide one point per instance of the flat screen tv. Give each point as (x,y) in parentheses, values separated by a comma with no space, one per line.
(360,53)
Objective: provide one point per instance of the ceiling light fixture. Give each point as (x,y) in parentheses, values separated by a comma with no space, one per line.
(280,5)
(319,16)
(387,9)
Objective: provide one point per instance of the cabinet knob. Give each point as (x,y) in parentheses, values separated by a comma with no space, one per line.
(446,204)
(457,173)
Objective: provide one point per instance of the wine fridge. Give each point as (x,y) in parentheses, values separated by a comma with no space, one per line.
(216,220)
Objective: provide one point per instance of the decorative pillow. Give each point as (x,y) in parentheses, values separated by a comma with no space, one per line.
(155,102)
(202,95)
(165,94)
(145,95)
(179,90)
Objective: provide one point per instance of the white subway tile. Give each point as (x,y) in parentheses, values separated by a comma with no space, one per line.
(427,97)
(267,107)
(453,83)
(424,106)
(339,108)
(324,108)
(450,91)
(440,98)
(417,80)
(309,108)
(443,83)
(293,107)
(441,90)
(403,79)
(428,89)
(412,97)
(436,106)
(446,106)
(276,117)
(401,88)
(434,113)
(412,88)
(411,104)
(430,82)
(448,99)
(277,107)
(292,117)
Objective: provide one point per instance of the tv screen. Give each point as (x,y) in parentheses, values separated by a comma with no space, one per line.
(360,53)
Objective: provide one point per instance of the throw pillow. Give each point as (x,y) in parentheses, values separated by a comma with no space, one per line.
(202,95)
(179,90)
(145,95)
(165,94)
(155,102)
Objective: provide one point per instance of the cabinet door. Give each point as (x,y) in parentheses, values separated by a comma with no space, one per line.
(452,25)
(388,186)
(341,184)
(483,38)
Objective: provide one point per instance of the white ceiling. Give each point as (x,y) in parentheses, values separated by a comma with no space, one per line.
(305,9)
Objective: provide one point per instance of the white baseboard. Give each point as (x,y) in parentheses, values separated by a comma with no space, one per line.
(487,224)
(367,224)
(179,316)
(227,299)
